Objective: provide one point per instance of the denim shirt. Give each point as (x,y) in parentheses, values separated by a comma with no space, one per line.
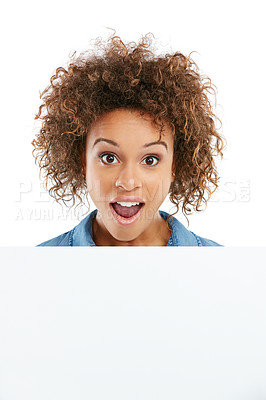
(81,235)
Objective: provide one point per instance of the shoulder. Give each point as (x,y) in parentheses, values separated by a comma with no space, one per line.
(181,236)
(206,242)
(80,235)
(61,240)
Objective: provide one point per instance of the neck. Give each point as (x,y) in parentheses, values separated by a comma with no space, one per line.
(157,234)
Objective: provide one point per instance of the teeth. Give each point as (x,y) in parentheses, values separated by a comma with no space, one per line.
(127,203)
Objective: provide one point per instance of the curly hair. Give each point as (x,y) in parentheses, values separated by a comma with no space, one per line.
(118,75)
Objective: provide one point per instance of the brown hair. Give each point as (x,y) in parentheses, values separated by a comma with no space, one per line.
(129,75)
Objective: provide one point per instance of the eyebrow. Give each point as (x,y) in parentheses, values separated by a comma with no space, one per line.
(117,145)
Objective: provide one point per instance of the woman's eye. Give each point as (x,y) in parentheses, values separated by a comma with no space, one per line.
(108,158)
(150,160)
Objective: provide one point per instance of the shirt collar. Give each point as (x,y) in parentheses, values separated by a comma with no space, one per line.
(181,236)
(82,233)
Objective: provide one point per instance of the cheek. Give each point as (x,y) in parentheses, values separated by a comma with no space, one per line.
(156,188)
(93,179)
(99,184)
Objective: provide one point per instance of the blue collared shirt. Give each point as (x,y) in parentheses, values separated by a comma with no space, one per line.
(81,235)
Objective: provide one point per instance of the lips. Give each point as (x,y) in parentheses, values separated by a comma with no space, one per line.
(134,199)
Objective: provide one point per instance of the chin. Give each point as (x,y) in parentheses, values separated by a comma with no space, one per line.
(122,237)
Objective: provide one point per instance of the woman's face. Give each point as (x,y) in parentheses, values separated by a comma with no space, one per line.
(125,163)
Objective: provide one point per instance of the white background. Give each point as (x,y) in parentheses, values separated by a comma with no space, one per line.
(229,37)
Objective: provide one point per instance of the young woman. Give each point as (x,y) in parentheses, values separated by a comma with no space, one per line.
(129,127)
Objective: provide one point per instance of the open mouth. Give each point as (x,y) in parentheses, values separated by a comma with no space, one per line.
(126,215)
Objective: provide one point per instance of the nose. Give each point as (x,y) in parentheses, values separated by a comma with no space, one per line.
(128,179)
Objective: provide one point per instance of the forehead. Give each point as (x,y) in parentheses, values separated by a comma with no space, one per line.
(127,126)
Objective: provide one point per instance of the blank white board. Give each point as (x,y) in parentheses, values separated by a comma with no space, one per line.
(133,323)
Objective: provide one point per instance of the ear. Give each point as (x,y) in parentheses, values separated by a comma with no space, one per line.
(83,163)
(173,172)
